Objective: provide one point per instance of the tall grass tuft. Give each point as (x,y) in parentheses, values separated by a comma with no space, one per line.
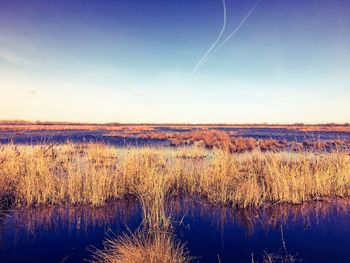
(154,242)
(142,248)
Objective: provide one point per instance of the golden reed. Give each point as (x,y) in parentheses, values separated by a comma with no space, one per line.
(93,174)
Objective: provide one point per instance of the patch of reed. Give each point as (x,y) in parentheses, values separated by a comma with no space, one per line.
(93,174)
(229,140)
(154,242)
(141,248)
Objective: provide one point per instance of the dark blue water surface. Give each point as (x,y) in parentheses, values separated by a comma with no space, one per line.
(76,136)
(312,232)
(63,234)
(42,137)
(289,135)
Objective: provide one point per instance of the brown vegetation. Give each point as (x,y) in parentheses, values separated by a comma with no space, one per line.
(93,174)
(126,129)
(141,247)
(153,243)
(227,140)
(19,125)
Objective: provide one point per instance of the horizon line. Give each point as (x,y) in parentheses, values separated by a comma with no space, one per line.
(45,122)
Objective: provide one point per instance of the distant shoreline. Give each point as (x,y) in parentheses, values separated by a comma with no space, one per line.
(10,126)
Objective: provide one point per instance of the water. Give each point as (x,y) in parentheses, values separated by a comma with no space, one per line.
(289,135)
(76,136)
(312,232)
(63,234)
(37,137)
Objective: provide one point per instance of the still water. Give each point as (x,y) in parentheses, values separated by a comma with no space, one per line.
(102,136)
(312,232)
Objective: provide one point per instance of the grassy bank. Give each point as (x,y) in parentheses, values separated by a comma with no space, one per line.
(93,174)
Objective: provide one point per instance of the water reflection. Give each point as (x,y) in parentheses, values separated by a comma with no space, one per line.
(269,217)
(312,231)
(78,219)
(49,234)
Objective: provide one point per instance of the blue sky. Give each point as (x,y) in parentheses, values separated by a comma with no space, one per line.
(129,61)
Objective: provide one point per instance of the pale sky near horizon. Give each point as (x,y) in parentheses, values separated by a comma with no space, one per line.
(129,61)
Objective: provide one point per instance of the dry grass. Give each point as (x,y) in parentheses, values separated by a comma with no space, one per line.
(205,126)
(125,129)
(154,243)
(21,125)
(229,140)
(142,248)
(94,174)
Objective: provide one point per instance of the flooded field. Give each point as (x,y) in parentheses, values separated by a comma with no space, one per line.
(312,232)
(138,138)
(177,131)
(261,204)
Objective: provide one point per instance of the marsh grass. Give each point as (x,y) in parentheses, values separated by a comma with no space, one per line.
(142,248)
(232,142)
(154,241)
(93,174)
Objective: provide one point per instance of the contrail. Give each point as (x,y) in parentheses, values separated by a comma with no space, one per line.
(234,31)
(203,59)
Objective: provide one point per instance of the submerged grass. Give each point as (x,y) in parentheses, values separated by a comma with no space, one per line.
(95,173)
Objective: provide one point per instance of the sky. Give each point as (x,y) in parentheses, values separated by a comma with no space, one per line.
(130,61)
